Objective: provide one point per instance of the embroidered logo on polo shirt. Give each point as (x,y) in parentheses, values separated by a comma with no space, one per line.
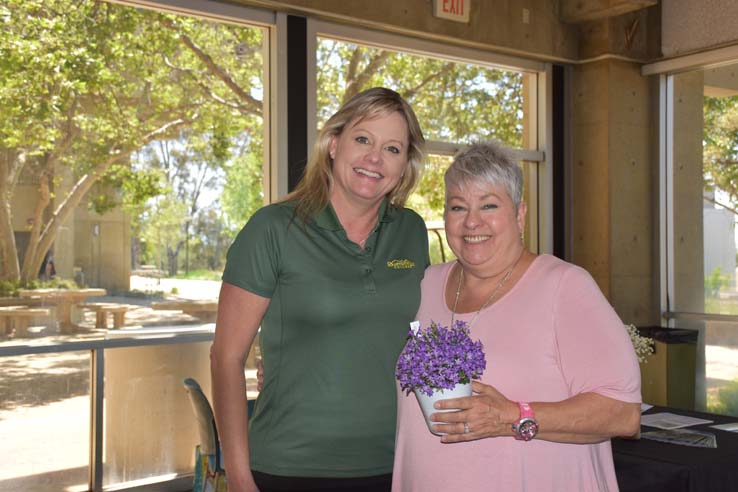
(400,264)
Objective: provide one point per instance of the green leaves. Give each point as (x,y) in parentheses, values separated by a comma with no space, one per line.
(720,150)
(454,102)
(85,84)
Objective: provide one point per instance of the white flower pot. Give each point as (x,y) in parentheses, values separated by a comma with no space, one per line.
(426,402)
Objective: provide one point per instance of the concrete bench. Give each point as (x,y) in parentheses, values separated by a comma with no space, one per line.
(18,318)
(101,313)
(205,311)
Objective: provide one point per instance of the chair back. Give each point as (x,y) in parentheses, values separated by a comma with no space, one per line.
(205,420)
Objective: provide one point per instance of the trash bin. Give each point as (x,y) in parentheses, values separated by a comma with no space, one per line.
(668,376)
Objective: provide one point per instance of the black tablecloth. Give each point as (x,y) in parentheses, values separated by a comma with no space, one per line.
(643,465)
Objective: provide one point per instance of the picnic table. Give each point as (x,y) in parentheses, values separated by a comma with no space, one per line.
(205,310)
(62,300)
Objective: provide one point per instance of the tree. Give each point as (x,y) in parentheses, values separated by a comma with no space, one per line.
(89,90)
(453,101)
(84,85)
(721,145)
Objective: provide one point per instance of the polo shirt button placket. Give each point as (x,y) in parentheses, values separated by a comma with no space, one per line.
(369,281)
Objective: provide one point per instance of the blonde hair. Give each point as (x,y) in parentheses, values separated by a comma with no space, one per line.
(312,192)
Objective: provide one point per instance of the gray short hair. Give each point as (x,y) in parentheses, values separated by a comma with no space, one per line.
(488,162)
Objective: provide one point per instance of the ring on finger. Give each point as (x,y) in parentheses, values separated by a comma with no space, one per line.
(466,427)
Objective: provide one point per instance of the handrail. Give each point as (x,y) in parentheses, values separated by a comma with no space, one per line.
(160,335)
(134,338)
(692,316)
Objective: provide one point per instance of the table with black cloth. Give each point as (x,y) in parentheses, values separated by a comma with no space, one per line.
(643,465)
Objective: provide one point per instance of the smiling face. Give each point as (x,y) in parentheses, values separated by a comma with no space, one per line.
(482,226)
(369,157)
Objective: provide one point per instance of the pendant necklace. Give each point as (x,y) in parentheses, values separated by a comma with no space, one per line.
(491,296)
(363,241)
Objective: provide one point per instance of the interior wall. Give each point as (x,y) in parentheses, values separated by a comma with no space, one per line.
(693,25)
(500,23)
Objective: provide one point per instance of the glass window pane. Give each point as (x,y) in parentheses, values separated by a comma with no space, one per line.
(705,210)
(455,102)
(150,428)
(45,422)
(167,110)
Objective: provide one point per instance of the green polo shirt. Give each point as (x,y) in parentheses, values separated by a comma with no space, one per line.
(337,321)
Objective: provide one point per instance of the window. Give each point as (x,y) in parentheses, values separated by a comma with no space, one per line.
(168,107)
(701,189)
(458,100)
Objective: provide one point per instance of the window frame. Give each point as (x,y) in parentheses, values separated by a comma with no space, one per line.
(540,136)
(274,177)
(666,70)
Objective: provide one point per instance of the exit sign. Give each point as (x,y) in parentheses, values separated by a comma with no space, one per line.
(455,10)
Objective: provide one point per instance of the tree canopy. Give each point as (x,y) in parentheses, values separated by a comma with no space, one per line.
(85,85)
(721,146)
(106,105)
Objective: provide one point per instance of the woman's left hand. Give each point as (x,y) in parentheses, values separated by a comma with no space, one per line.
(487,413)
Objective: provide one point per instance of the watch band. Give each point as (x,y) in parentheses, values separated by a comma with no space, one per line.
(526,410)
(526,427)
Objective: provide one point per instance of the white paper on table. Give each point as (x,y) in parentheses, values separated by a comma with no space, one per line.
(730,427)
(645,406)
(666,420)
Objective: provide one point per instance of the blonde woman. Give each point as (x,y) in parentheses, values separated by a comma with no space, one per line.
(332,275)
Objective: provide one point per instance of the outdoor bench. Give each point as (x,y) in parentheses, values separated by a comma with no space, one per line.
(205,311)
(19,318)
(101,313)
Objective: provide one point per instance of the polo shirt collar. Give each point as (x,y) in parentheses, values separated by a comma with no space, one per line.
(327,219)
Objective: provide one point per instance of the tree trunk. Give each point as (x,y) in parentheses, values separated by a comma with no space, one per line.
(8,249)
(31,268)
(40,246)
(172,261)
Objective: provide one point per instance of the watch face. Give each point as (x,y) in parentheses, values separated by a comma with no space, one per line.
(527,429)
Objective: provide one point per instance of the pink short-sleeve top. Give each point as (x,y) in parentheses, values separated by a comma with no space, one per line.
(552,336)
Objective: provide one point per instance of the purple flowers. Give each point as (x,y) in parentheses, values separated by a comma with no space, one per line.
(439,358)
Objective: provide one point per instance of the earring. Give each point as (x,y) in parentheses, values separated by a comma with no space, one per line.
(522,238)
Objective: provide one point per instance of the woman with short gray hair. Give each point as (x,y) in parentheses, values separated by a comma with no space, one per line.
(562,376)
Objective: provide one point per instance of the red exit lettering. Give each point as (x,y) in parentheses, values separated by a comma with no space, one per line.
(453,7)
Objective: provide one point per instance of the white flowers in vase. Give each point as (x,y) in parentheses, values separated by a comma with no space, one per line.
(643,345)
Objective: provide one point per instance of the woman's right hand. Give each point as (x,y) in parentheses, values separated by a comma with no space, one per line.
(487,413)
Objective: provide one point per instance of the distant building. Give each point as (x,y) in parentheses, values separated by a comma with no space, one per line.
(720,249)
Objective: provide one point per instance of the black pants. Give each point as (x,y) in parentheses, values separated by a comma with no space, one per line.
(276,483)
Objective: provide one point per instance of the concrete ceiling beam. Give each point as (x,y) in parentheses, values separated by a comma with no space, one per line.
(576,11)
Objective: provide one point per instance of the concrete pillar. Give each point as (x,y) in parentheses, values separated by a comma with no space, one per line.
(613,183)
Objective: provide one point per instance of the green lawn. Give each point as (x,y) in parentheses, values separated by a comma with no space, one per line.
(714,305)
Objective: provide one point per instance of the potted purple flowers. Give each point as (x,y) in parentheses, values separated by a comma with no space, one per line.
(439,362)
